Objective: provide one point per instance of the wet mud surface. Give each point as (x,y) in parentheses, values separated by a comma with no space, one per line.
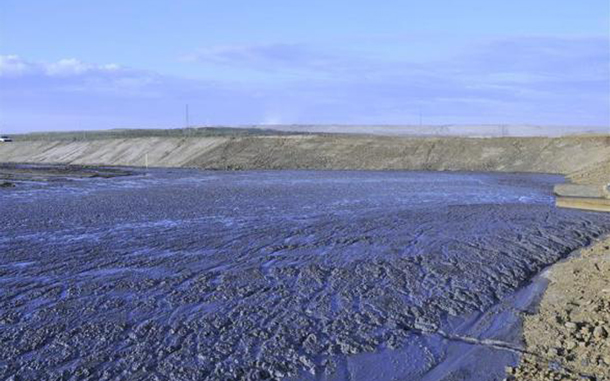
(62,173)
(184,274)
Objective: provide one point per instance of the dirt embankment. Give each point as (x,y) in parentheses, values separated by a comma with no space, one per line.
(597,173)
(550,155)
(569,338)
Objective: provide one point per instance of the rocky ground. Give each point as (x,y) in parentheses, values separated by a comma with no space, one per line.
(569,339)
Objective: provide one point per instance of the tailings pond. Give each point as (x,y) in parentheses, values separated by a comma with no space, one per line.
(186,274)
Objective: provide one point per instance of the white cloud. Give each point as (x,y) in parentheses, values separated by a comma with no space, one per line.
(14,66)
(77,77)
(67,67)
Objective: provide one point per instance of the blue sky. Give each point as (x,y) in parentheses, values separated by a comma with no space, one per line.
(68,64)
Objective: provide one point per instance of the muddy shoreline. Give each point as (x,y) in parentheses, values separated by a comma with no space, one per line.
(12,173)
(569,336)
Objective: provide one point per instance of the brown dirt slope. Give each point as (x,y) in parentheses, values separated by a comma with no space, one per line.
(598,173)
(569,338)
(550,155)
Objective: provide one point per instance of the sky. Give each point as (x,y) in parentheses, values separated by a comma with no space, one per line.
(74,65)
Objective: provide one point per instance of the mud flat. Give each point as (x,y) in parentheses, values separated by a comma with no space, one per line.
(15,173)
(276,274)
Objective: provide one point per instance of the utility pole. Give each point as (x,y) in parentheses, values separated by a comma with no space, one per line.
(503,130)
(187,116)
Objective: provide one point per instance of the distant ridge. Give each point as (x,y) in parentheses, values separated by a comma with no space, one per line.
(487,130)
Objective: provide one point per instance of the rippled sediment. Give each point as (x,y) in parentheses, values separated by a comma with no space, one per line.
(194,274)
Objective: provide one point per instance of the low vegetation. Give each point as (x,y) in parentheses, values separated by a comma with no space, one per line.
(148,132)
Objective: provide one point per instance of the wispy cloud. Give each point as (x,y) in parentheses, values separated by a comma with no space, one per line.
(74,76)
(514,66)
(71,66)
(543,80)
(282,58)
(14,66)
(264,57)
(69,94)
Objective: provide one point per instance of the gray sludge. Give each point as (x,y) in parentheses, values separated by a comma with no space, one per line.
(180,274)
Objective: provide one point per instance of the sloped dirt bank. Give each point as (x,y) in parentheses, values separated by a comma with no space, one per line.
(569,338)
(597,173)
(327,152)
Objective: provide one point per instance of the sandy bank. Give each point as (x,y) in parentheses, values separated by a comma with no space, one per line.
(587,188)
(570,336)
(597,173)
(549,155)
